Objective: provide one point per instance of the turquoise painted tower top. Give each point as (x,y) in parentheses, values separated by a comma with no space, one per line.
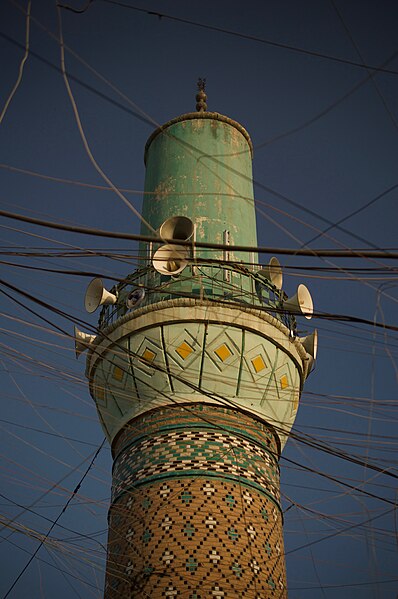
(199,165)
(199,188)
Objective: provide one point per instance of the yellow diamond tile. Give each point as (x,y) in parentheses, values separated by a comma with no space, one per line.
(258,363)
(117,373)
(184,350)
(148,356)
(284,382)
(223,352)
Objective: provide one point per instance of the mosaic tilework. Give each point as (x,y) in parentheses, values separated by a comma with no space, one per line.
(195,510)
(195,453)
(201,538)
(193,441)
(204,416)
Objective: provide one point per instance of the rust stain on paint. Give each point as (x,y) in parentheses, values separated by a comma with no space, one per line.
(200,222)
(164,188)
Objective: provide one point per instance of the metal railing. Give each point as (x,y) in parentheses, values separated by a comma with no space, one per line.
(206,281)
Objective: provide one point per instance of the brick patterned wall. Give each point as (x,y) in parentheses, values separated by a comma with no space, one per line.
(195,507)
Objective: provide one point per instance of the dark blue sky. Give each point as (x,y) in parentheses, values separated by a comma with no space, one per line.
(325,135)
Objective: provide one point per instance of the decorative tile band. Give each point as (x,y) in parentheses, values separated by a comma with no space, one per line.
(172,454)
(200,416)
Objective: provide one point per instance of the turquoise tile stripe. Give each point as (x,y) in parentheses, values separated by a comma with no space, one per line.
(195,453)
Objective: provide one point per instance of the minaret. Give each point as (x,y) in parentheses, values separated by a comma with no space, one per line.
(196,373)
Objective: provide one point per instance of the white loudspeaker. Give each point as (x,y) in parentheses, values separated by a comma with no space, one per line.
(134,298)
(97,295)
(273,272)
(177,227)
(310,366)
(310,344)
(170,259)
(82,341)
(301,303)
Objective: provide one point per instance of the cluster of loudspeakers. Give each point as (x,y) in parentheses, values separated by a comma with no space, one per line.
(171,259)
(301,304)
(97,295)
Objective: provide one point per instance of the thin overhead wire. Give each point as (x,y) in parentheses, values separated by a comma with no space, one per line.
(83,135)
(333,444)
(359,253)
(353,213)
(76,489)
(215,160)
(268,42)
(21,66)
(304,440)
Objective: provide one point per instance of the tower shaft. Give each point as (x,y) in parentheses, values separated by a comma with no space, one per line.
(198,384)
(195,506)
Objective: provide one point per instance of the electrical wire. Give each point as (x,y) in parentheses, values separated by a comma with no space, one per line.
(162,15)
(360,253)
(189,146)
(15,582)
(344,403)
(21,66)
(83,136)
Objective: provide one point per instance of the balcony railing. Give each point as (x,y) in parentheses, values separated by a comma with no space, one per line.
(206,281)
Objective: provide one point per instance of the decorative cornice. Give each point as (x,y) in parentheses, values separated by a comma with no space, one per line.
(215,116)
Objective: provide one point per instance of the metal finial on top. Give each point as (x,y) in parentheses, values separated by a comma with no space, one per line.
(201,97)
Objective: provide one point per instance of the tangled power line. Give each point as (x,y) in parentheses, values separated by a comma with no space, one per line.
(52,362)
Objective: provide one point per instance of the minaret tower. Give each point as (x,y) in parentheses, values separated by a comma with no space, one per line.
(196,372)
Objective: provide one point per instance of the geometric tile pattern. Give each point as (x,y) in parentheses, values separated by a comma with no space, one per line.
(201,538)
(202,416)
(195,452)
(146,367)
(183,522)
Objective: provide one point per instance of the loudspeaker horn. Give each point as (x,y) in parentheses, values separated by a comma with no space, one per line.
(273,272)
(170,259)
(300,303)
(97,295)
(310,366)
(177,227)
(82,341)
(134,298)
(310,344)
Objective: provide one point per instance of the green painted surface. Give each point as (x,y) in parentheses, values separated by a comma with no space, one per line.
(130,384)
(202,169)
